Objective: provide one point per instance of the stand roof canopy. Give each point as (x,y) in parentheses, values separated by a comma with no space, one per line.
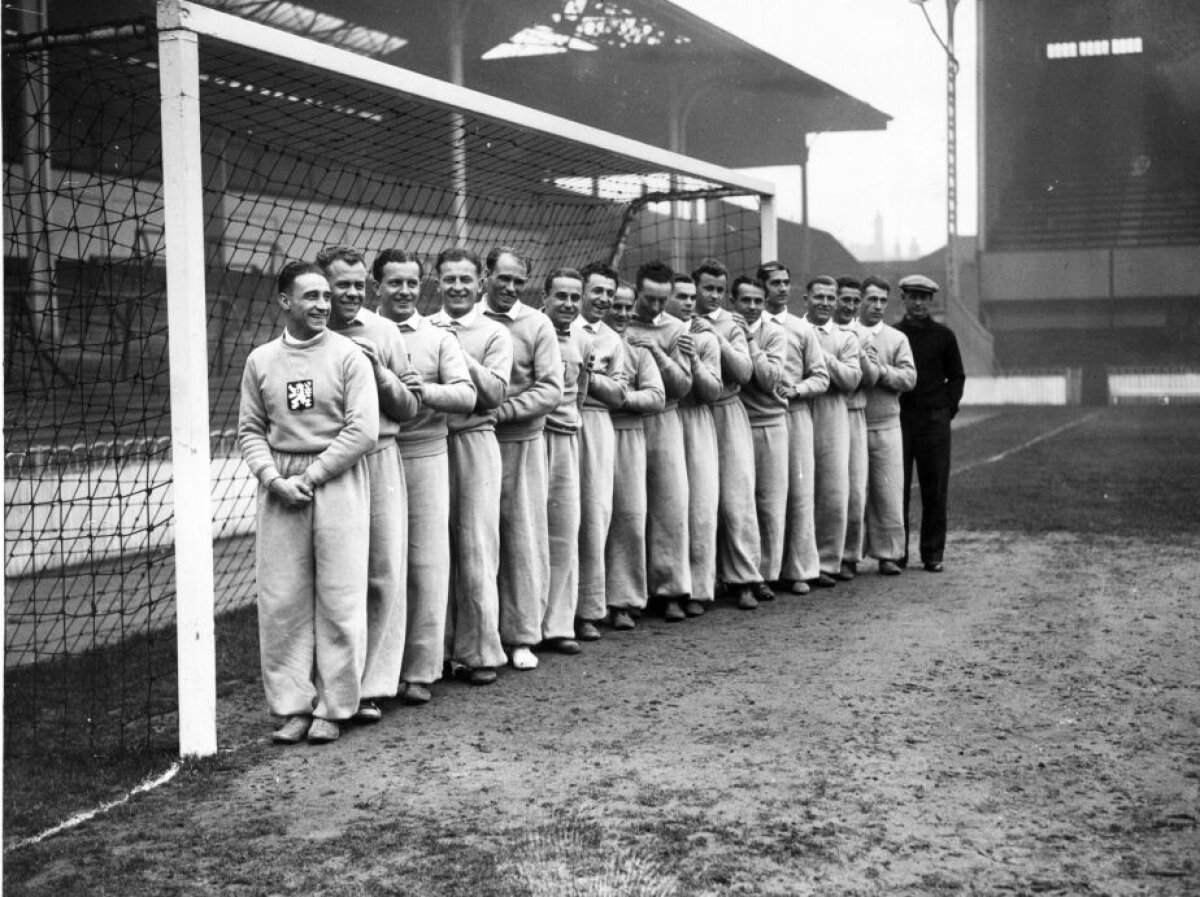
(647,69)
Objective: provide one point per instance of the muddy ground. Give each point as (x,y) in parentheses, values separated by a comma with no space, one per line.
(1025,723)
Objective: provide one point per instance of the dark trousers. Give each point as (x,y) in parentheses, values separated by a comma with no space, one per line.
(926,436)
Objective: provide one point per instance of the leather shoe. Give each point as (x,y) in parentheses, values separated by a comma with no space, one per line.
(934,567)
(847,571)
(293,731)
(561,645)
(324,731)
(416,694)
(368,712)
(824,581)
(482,676)
(889,568)
(763,592)
(693,609)
(746,600)
(622,621)
(674,613)
(586,631)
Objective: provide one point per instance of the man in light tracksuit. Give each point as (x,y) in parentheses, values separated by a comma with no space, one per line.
(805,377)
(669,575)
(441,384)
(896,373)
(700,445)
(309,415)
(561,299)
(625,549)
(534,389)
(473,620)
(766,410)
(845,315)
(387,610)
(606,392)
(831,428)
(738,548)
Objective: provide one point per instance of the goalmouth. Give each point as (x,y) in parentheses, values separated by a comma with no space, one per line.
(162,175)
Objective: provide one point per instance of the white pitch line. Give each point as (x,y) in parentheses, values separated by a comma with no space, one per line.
(80,818)
(1049,434)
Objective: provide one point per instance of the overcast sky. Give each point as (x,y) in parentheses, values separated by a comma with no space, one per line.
(880,51)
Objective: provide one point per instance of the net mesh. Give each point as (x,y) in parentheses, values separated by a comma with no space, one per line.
(294,158)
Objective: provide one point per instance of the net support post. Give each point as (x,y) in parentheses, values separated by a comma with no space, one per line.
(768,227)
(183,195)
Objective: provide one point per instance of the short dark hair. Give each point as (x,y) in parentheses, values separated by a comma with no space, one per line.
(710,266)
(457,254)
(573,273)
(655,271)
(823,279)
(395,257)
(849,283)
(874,281)
(742,280)
(603,269)
(766,269)
(682,278)
(340,253)
(494,256)
(294,269)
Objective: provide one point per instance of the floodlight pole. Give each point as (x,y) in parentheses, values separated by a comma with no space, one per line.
(951,143)
(951,156)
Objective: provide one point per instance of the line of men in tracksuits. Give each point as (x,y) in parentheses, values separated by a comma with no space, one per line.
(496,478)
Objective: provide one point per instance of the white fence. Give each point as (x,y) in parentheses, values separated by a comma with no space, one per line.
(1153,386)
(1061,388)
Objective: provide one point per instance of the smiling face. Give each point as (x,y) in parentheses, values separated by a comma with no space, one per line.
(710,291)
(874,305)
(621,311)
(846,306)
(749,302)
(306,306)
(562,302)
(598,295)
(399,290)
(505,282)
(348,286)
(821,300)
(458,285)
(682,301)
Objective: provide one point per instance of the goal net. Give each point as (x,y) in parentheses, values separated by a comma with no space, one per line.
(301,146)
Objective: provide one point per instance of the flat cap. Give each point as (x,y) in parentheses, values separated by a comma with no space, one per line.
(918,283)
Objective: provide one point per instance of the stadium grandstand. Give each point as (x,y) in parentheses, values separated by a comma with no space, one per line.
(1089,231)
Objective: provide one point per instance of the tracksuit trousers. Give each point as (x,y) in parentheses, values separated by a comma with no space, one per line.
(427,479)
(800,559)
(597,463)
(562,520)
(473,622)
(387,573)
(738,540)
(311,566)
(524,553)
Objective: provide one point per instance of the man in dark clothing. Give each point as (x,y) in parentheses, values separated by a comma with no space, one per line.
(925,415)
